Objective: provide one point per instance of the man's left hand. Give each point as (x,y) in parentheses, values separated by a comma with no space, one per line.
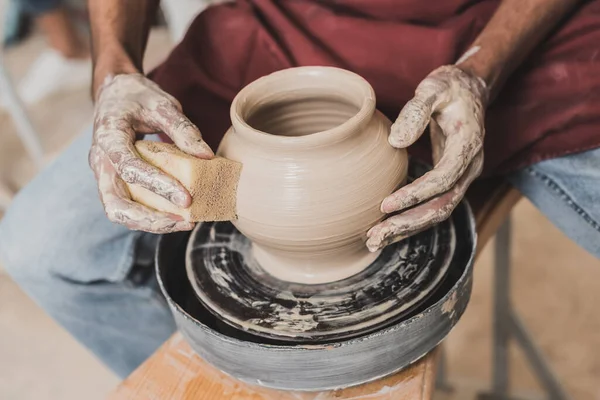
(452,102)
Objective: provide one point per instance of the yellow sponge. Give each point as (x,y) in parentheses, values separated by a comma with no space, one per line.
(212,183)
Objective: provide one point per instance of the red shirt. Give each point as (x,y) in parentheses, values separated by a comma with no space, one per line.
(549,107)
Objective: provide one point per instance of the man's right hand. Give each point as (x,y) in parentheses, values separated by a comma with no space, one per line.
(128,105)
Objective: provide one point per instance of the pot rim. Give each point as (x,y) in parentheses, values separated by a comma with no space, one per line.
(328,136)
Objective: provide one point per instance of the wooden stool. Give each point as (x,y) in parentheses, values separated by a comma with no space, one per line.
(176,372)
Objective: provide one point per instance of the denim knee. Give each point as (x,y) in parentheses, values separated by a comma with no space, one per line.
(56,226)
(566,191)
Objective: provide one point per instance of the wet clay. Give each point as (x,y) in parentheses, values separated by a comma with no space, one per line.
(316,166)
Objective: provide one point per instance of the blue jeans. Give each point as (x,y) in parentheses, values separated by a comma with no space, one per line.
(96,278)
(37,7)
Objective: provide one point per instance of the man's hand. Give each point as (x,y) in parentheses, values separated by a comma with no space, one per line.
(452,103)
(128,105)
(452,100)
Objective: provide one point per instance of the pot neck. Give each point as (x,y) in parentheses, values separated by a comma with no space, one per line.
(318,93)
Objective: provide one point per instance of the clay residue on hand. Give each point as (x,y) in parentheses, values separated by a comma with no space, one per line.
(128,105)
(452,103)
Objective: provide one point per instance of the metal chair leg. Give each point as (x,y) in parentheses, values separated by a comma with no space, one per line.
(544,373)
(25,128)
(507,324)
(501,310)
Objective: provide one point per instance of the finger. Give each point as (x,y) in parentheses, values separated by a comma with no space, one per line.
(457,155)
(425,215)
(139,217)
(133,170)
(121,209)
(170,119)
(415,114)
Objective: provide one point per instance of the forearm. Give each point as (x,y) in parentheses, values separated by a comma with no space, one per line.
(516,28)
(119,35)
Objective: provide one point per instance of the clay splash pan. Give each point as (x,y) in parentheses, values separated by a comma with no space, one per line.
(230,283)
(319,364)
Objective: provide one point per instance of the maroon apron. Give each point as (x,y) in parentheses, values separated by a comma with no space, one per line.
(548,108)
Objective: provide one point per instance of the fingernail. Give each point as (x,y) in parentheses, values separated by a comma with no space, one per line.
(383,207)
(185,226)
(388,205)
(205,149)
(372,247)
(181,199)
(175,217)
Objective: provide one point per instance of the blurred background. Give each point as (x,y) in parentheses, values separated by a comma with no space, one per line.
(45,102)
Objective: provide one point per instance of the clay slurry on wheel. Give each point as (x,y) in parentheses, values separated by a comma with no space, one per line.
(232,285)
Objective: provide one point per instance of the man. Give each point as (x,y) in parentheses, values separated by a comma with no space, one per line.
(94,277)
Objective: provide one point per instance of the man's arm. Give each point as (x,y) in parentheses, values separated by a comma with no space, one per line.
(452,102)
(127,105)
(516,28)
(119,36)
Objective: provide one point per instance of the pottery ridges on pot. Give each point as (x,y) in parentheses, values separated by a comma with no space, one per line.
(316,166)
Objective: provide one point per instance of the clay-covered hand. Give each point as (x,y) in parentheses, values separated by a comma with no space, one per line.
(128,105)
(452,102)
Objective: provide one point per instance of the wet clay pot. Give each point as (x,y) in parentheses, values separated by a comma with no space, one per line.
(316,166)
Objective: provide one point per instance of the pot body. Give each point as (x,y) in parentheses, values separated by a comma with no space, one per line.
(316,166)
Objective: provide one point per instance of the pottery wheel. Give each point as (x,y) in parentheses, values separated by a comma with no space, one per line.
(282,364)
(231,284)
